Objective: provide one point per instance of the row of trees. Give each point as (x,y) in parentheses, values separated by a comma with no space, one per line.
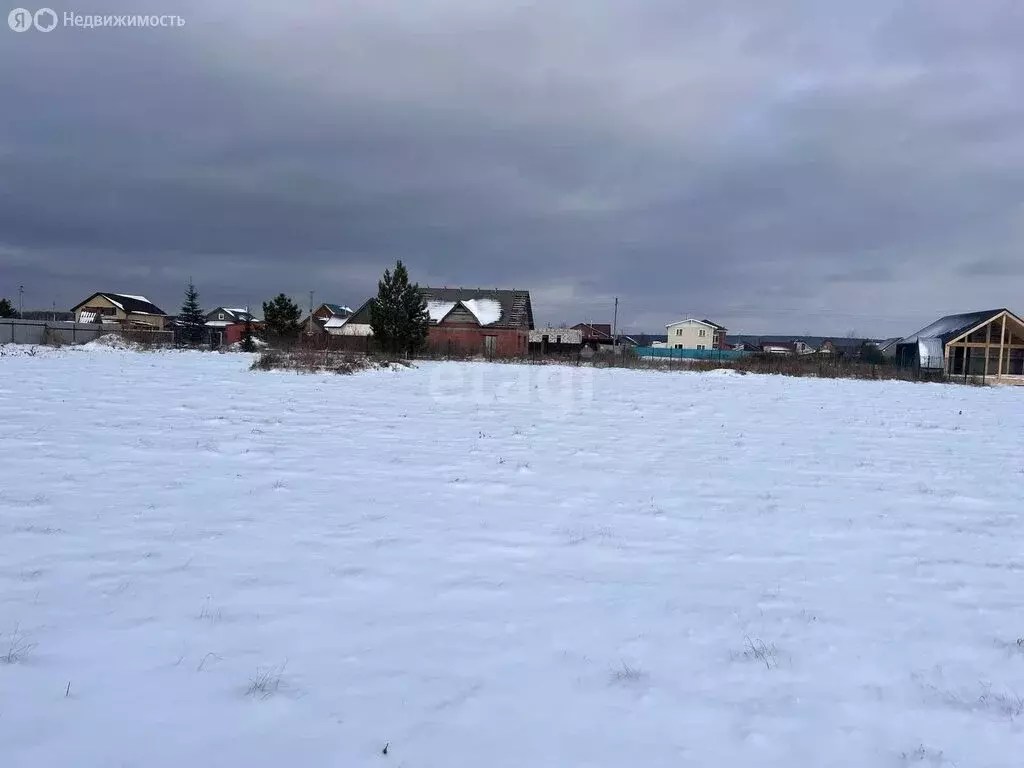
(7,310)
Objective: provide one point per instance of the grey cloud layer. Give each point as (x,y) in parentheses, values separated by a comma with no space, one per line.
(783,166)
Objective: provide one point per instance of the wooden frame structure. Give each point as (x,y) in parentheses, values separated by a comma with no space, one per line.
(994,348)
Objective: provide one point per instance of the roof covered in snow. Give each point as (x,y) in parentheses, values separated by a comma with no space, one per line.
(495,308)
(336,321)
(126,302)
(439,310)
(492,308)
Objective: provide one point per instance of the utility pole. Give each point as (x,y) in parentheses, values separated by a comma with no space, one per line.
(309,326)
(21,300)
(615,325)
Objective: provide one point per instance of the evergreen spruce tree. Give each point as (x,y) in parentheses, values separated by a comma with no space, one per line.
(7,309)
(191,317)
(281,315)
(399,317)
(248,341)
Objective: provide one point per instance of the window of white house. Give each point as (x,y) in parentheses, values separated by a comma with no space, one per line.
(700,346)
(702,333)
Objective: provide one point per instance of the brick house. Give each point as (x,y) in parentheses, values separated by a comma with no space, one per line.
(227,324)
(479,321)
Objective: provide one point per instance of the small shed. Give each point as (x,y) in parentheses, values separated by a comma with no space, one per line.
(555,341)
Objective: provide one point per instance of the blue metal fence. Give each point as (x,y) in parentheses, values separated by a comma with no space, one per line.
(689,354)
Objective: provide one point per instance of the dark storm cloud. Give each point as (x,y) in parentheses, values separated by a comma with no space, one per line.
(777,166)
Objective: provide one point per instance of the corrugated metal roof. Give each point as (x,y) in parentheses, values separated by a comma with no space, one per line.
(949,327)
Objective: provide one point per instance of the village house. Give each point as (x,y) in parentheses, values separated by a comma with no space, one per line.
(462,321)
(354,324)
(226,325)
(122,309)
(695,334)
(595,335)
(493,322)
(316,322)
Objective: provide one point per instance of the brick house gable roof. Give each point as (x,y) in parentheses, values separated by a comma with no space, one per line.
(516,307)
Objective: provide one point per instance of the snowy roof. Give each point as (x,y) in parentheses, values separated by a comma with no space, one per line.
(336,322)
(949,327)
(496,308)
(126,302)
(439,310)
(486,311)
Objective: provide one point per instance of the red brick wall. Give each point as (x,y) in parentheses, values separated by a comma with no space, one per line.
(470,340)
(233,333)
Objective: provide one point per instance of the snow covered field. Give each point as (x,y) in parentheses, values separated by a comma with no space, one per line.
(488,565)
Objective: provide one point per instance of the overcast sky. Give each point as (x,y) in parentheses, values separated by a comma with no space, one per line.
(779,167)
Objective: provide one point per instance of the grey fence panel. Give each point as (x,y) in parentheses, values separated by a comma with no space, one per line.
(42,331)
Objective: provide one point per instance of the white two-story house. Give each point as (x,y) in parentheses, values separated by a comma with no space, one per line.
(695,334)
